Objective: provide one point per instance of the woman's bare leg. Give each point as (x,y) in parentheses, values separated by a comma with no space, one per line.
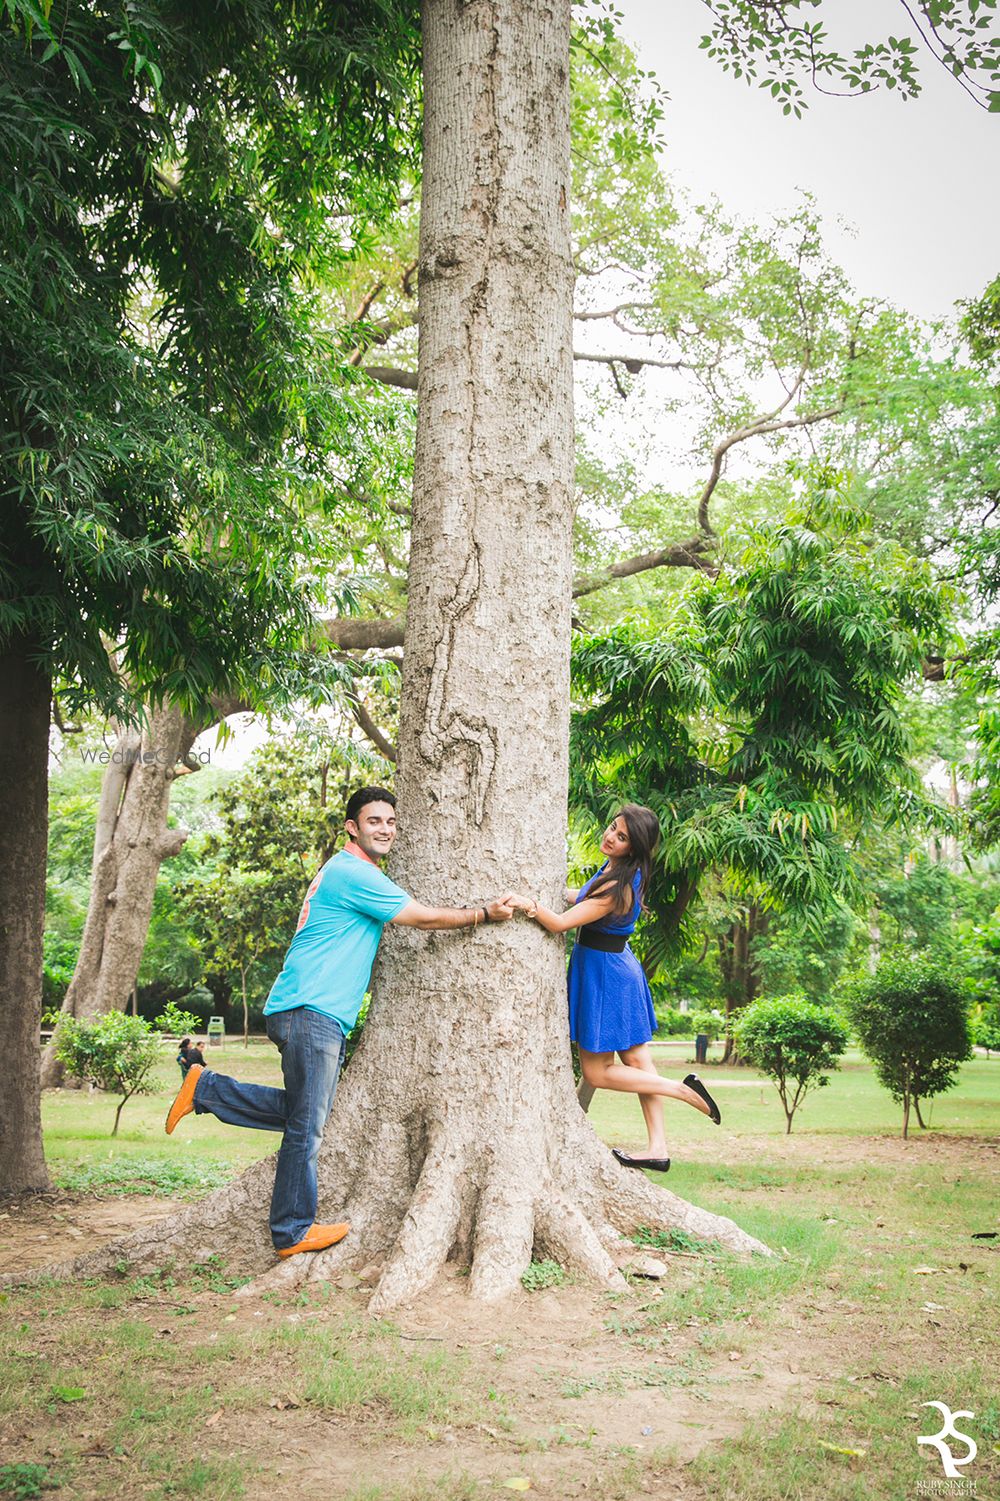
(601,1070)
(652,1106)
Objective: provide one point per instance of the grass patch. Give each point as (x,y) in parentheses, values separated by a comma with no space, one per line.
(854,1104)
(23,1482)
(359,1365)
(863,1447)
(674,1240)
(118,1177)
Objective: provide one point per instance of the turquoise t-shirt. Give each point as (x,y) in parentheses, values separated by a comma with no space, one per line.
(329,963)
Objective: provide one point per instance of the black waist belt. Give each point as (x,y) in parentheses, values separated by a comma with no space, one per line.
(608,943)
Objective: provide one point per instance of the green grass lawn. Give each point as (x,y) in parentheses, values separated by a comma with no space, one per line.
(852,1102)
(203,1152)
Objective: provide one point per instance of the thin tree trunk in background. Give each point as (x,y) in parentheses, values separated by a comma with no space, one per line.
(131,840)
(25,696)
(740,979)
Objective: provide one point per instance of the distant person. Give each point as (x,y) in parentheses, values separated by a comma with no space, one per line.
(314,1004)
(610,1007)
(189,1053)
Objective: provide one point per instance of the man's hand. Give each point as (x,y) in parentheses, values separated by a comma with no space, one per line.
(520,903)
(502,910)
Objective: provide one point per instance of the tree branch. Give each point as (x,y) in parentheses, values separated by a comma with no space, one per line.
(612,312)
(679,555)
(634,362)
(352,634)
(406,380)
(381,331)
(762,426)
(368,726)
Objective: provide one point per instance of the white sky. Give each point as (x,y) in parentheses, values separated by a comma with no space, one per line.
(916,180)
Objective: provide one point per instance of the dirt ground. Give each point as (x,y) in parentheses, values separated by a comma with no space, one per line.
(582,1412)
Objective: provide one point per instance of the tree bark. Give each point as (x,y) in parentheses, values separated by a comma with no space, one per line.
(131,840)
(25,695)
(740,979)
(456,1134)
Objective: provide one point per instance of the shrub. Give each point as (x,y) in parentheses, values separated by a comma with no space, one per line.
(986,1033)
(709,1023)
(58,964)
(912,1021)
(671,1023)
(178,1023)
(116,1053)
(794,1042)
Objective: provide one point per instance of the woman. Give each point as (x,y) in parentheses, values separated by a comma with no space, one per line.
(610,1007)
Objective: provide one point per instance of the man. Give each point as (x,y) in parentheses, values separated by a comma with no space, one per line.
(312,1007)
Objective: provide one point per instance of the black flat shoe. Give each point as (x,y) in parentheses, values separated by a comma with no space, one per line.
(693,1082)
(654,1164)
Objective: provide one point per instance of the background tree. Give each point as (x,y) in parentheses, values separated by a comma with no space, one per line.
(912,1021)
(765,715)
(794,1042)
(774,44)
(115,1053)
(278,826)
(724,313)
(167,404)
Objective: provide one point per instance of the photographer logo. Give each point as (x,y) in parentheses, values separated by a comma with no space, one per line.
(948,1460)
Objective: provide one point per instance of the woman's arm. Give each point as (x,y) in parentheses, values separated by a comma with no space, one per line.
(591,909)
(570,893)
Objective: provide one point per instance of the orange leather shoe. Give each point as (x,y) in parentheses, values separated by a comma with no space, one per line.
(184,1103)
(317,1239)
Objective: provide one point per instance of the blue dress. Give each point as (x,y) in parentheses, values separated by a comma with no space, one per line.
(610,1007)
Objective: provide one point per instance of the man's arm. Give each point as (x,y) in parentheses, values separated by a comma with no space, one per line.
(416,915)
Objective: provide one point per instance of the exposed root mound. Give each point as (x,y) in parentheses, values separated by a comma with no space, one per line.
(422,1195)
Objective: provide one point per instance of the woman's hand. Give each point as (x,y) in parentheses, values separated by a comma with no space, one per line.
(521,903)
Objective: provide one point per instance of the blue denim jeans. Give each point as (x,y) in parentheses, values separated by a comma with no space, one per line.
(312,1054)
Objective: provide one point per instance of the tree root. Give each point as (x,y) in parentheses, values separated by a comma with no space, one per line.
(631,1200)
(567,1236)
(505,1227)
(427,1232)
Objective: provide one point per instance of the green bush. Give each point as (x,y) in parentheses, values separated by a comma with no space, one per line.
(671,1023)
(116,1053)
(986,1032)
(176,1022)
(912,1021)
(794,1042)
(710,1023)
(58,964)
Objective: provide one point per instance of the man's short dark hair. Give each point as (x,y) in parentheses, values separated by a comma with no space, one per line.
(363,797)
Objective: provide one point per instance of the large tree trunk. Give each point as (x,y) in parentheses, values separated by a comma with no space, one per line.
(25,695)
(131,840)
(456,1133)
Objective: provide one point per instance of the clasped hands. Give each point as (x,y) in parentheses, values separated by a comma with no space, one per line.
(503,909)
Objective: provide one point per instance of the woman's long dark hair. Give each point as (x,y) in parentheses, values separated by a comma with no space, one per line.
(643,837)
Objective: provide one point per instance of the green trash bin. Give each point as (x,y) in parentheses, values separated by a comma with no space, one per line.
(216,1031)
